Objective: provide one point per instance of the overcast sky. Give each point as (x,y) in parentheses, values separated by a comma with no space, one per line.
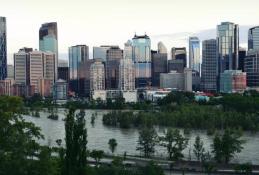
(96,22)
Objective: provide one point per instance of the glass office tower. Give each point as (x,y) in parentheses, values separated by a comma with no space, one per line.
(251,67)
(253,38)
(112,65)
(3,52)
(141,46)
(77,55)
(48,41)
(159,65)
(209,65)
(194,54)
(227,46)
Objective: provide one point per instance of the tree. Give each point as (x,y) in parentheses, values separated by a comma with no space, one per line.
(175,143)
(93,117)
(227,145)
(147,141)
(46,165)
(97,155)
(217,148)
(76,141)
(198,148)
(177,97)
(112,144)
(18,139)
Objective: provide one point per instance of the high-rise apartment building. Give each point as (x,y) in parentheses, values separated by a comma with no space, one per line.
(227,46)
(209,65)
(22,66)
(36,67)
(142,60)
(49,66)
(194,53)
(3,49)
(253,38)
(48,41)
(127,75)
(31,67)
(77,55)
(97,76)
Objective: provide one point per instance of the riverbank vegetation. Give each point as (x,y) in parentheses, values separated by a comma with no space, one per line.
(224,147)
(180,110)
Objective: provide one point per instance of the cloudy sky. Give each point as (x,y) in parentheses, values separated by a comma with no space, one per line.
(96,22)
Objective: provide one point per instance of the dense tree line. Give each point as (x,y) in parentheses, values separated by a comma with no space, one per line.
(192,116)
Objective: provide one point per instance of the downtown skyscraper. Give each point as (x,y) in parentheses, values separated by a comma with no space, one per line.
(127,75)
(48,41)
(112,65)
(34,70)
(194,54)
(141,46)
(3,49)
(209,65)
(77,55)
(227,46)
(97,76)
(253,38)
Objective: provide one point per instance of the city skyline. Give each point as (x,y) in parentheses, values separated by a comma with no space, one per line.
(96,23)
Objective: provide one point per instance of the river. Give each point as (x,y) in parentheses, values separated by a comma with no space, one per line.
(98,136)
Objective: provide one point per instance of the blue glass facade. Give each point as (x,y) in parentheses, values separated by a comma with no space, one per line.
(194,54)
(77,55)
(3,52)
(227,46)
(141,55)
(143,74)
(141,48)
(48,41)
(253,38)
